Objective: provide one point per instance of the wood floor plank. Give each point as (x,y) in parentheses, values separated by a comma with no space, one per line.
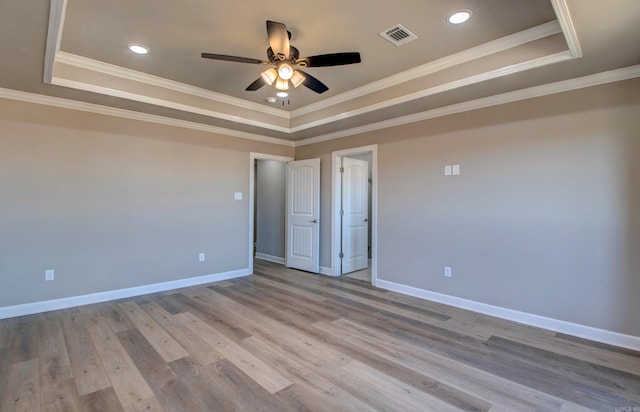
(22,393)
(6,329)
(257,369)
(197,347)
(104,400)
(161,341)
(624,360)
(451,372)
(24,339)
(317,393)
(127,382)
(88,371)
(61,396)
(55,365)
(118,321)
(386,392)
(171,390)
(208,314)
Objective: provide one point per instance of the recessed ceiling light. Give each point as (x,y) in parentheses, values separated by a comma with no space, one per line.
(271,99)
(459,16)
(282,94)
(138,48)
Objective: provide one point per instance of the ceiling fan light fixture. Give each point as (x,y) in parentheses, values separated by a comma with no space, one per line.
(285,71)
(282,84)
(282,94)
(297,78)
(459,16)
(269,76)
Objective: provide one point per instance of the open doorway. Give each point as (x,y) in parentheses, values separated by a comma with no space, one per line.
(354,213)
(267,204)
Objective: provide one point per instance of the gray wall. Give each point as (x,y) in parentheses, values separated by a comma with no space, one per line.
(545,217)
(110,203)
(270,207)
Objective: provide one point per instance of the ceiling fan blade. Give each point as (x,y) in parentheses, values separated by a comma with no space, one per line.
(314,84)
(332,59)
(278,39)
(256,85)
(232,58)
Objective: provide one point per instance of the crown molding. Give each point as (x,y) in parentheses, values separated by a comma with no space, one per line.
(129,74)
(597,79)
(165,103)
(57,11)
(45,100)
(478,78)
(510,97)
(474,53)
(495,46)
(568,29)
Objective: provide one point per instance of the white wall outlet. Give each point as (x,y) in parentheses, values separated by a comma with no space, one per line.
(455,170)
(201,257)
(49,274)
(447,170)
(447,271)
(237,196)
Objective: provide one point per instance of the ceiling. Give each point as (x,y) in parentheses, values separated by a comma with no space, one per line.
(76,50)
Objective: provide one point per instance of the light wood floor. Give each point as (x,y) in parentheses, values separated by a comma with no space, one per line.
(283,340)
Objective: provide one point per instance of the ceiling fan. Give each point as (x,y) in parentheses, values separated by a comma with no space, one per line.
(284,62)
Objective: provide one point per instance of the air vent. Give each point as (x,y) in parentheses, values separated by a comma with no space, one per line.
(398,35)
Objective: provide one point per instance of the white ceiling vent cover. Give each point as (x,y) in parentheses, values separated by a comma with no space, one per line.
(398,35)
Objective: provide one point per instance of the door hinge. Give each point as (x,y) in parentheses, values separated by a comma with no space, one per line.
(341,212)
(342,170)
(341,255)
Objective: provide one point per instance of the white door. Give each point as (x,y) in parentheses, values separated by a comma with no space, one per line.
(355,214)
(303,215)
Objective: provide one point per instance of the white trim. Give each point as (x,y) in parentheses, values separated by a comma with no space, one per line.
(597,79)
(495,46)
(63,303)
(270,258)
(326,271)
(133,115)
(335,207)
(129,74)
(253,156)
(478,78)
(57,11)
(58,81)
(574,329)
(563,15)
(483,50)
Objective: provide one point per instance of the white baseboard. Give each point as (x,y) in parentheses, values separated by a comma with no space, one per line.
(569,328)
(63,303)
(270,258)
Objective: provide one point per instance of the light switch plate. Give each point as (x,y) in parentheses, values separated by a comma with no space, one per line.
(238,196)
(456,170)
(447,271)
(447,170)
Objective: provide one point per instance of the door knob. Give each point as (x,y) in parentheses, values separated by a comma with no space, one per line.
(314,221)
(366,219)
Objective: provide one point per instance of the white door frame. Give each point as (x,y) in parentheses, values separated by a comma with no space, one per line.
(335,208)
(252,181)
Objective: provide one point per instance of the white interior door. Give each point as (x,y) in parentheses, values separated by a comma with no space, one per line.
(303,215)
(355,214)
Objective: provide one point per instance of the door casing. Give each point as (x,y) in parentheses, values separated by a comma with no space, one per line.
(336,194)
(252,182)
